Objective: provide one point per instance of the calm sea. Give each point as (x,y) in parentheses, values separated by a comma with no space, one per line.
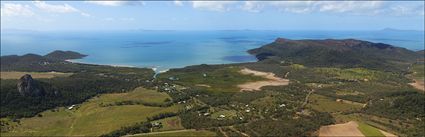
(175,49)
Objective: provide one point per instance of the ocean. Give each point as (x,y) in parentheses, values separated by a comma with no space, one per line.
(163,50)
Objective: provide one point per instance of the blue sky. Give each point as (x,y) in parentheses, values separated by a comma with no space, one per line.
(212,15)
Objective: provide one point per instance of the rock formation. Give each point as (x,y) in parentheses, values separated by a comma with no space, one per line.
(29,87)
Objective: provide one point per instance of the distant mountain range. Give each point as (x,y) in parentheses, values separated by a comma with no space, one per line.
(346,53)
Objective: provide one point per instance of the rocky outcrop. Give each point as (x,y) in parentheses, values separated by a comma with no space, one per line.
(29,87)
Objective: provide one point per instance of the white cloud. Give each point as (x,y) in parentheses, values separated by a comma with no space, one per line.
(10,9)
(220,6)
(356,7)
(294,6)
(116,3)
(337,7)
(399,10)
(252,6)
(178,3)
(58,8)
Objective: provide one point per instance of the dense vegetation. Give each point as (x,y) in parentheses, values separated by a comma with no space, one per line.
(64,55)
(86,82)
(347,53)
(331,81)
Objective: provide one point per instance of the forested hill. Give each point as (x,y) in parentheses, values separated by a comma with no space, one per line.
(64,55)
(346,53)
(54,61)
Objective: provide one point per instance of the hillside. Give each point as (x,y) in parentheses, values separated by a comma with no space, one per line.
(346,53)
(54,61)
(64,55)
(295,96)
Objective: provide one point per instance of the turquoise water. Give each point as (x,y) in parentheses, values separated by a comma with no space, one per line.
(175,49)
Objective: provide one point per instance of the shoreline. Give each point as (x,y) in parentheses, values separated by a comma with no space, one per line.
(154,68)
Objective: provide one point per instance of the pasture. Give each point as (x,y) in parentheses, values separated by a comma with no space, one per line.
(222,79)
(326,104)
(91,118)
(36,75)
(178,133)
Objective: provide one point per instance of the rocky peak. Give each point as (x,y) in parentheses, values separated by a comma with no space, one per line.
(29,87)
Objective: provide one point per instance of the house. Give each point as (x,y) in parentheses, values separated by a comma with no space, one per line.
(222,116)
(282,105)
(71,107)
(156,124)
(247,111)
(173,78)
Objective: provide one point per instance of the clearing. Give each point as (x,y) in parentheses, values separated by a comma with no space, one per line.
(93,118)
(17,75)
(178,133)
(418,76)
(346,129)
(272,80)
(326,104)
(352,128)
(418,84)
(221,79)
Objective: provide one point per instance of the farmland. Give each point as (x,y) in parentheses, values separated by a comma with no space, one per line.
(177,133)
(222,79)
(91,118)
(17,75)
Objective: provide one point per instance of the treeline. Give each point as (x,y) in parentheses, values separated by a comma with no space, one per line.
(142,127)
(401,105)
(162,116)
(302,126)
(65,91)
(192,120)
(138,102)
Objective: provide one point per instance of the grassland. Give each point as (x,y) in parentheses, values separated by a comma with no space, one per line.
(352,73)
(179,133)
(369,131)
(222,79)
(371,120)
(17,75)
(171,123)
(91,118)
(418,75)
(418,71)
(326,104)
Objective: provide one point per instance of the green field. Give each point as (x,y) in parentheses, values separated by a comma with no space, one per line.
(91,118)
(326,104)
(352,73)
(369,131)
(227,113)
(171,123)
(223,79)
(179,133)
(17,75)
(418,71)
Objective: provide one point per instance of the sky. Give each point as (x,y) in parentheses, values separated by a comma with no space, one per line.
(212,15)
